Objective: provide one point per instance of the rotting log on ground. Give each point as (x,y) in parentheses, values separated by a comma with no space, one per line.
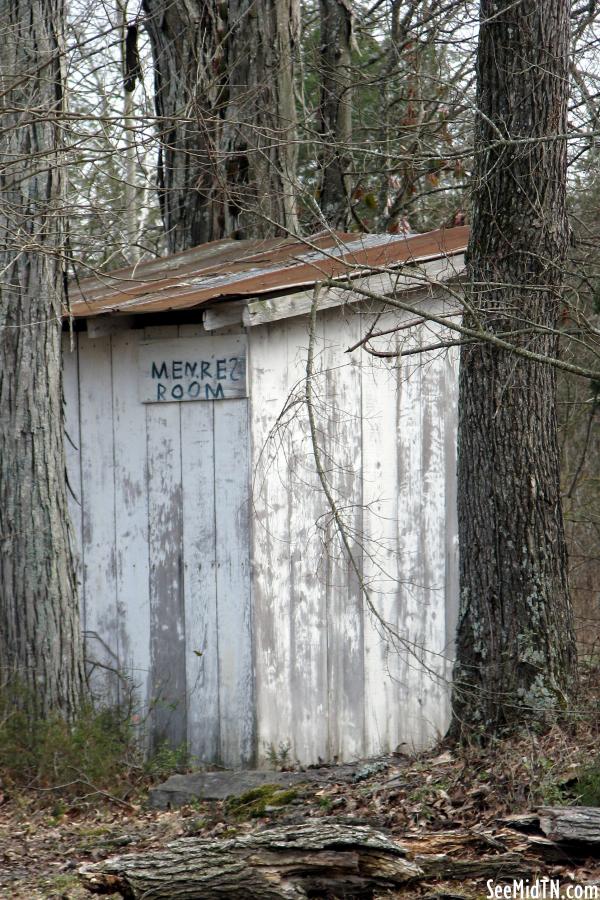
(285,863)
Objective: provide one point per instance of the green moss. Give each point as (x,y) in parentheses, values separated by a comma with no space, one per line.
(254,803)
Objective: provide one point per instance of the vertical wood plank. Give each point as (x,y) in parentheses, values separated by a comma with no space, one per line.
(410,569)
(342,456)
(433,537)
(384,695)
(167,615)
(200,580)
(200,572)
(73,449)
(98,499)
(167,643)
(308,566)
(271,597)
(452,571)
(236,686)
(131,518)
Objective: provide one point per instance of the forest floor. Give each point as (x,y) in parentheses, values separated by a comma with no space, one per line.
(440,802)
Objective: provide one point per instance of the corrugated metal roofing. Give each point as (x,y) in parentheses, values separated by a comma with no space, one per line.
(233,269)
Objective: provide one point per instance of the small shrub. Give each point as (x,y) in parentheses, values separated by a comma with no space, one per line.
(279,757)
(102,750)
(91,752)
(165,760)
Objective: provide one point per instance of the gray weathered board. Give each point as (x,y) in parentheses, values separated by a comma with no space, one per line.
(161,512)
(330,681)
(212,572)
(197,368)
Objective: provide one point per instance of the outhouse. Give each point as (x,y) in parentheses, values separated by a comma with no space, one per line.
(270,570)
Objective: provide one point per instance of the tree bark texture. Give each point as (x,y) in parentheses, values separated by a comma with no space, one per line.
(226,114)
(515,644)
(187,37)
(40,640)
(283,863)
(259,141)
(335,112)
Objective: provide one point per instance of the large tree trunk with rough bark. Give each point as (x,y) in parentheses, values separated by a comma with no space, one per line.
(259,141)
(189,93)
(515,649)
(41,652)
(226,117)
(335,112)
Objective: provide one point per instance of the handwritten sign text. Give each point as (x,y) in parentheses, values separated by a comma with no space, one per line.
(202,368)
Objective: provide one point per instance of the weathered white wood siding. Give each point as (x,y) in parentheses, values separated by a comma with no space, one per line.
(161,513)
(335,678)
(213,574)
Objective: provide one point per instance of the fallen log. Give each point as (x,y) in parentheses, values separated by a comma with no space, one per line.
(571,824)
(445,868)
(283,863)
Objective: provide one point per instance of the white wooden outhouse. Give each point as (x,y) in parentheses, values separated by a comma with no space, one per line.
(214,578)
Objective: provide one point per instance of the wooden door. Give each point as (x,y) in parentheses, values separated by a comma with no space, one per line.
(161,510)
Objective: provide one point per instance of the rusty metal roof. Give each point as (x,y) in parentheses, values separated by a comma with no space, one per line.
(230,269)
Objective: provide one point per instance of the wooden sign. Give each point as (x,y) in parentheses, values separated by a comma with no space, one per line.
(198,368)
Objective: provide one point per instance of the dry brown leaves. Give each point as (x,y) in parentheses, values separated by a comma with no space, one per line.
(443,802)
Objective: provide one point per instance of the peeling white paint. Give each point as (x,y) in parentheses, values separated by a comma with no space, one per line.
(212,571)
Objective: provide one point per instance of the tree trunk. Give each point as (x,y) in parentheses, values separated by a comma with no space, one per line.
(131,71)
(40,642)
(318,859)
(259,142)
(225,104)
(335,112)
(515,646)
(189,72)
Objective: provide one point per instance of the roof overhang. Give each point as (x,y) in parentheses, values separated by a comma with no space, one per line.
(277,270)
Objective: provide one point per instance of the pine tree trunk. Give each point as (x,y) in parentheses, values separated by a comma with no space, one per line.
(335,112)
(40,641)
(224,95)
(515,646)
